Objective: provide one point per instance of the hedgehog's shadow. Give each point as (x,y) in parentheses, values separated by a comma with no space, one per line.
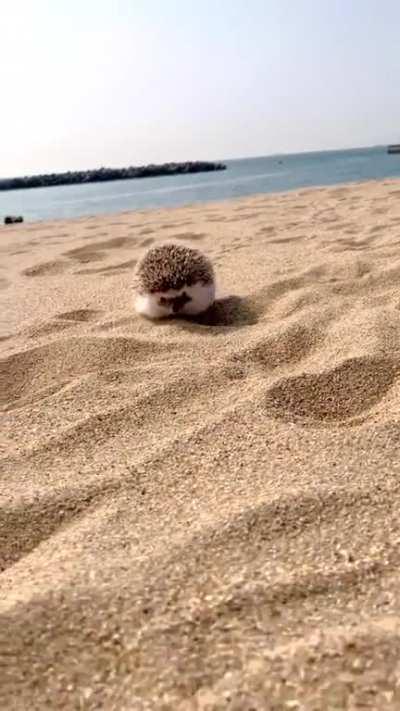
(230,312)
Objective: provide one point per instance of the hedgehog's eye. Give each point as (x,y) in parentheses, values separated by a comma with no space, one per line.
(162,301)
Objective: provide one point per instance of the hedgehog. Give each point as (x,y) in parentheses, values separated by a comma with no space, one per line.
(172,280)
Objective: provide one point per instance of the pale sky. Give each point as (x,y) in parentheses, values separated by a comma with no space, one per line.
(86,83)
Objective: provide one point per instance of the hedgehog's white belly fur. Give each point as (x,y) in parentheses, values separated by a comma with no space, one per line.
(201,297)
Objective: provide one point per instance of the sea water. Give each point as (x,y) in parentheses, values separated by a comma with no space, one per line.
(243,177)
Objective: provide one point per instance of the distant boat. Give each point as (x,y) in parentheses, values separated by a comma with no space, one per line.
(394,148)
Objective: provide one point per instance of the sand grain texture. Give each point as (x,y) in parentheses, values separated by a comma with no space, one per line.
(204,514)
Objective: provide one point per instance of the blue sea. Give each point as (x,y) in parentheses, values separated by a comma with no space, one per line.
(248,176)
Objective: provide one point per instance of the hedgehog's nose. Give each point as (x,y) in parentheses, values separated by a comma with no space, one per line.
(179,302)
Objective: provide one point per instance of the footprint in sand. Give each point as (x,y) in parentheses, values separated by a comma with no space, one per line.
(146,231)
(249,216)
(191,236)
(350,389)
(62,321)
(25,375)
(286,240)
(95,250)
(146,242)
(378,228)
(46,329)
(112,269)
(289,346)
(170,226)
(32,524)
(80,315)
(46,269)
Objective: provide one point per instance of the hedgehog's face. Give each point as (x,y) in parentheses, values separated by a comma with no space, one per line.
(161,306)
(188,301)
(175,303)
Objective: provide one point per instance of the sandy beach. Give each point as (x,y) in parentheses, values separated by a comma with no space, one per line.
(204,515)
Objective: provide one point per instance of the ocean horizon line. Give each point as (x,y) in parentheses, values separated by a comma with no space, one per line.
(230,159)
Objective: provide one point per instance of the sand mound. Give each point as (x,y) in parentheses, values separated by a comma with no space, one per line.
(203,514)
